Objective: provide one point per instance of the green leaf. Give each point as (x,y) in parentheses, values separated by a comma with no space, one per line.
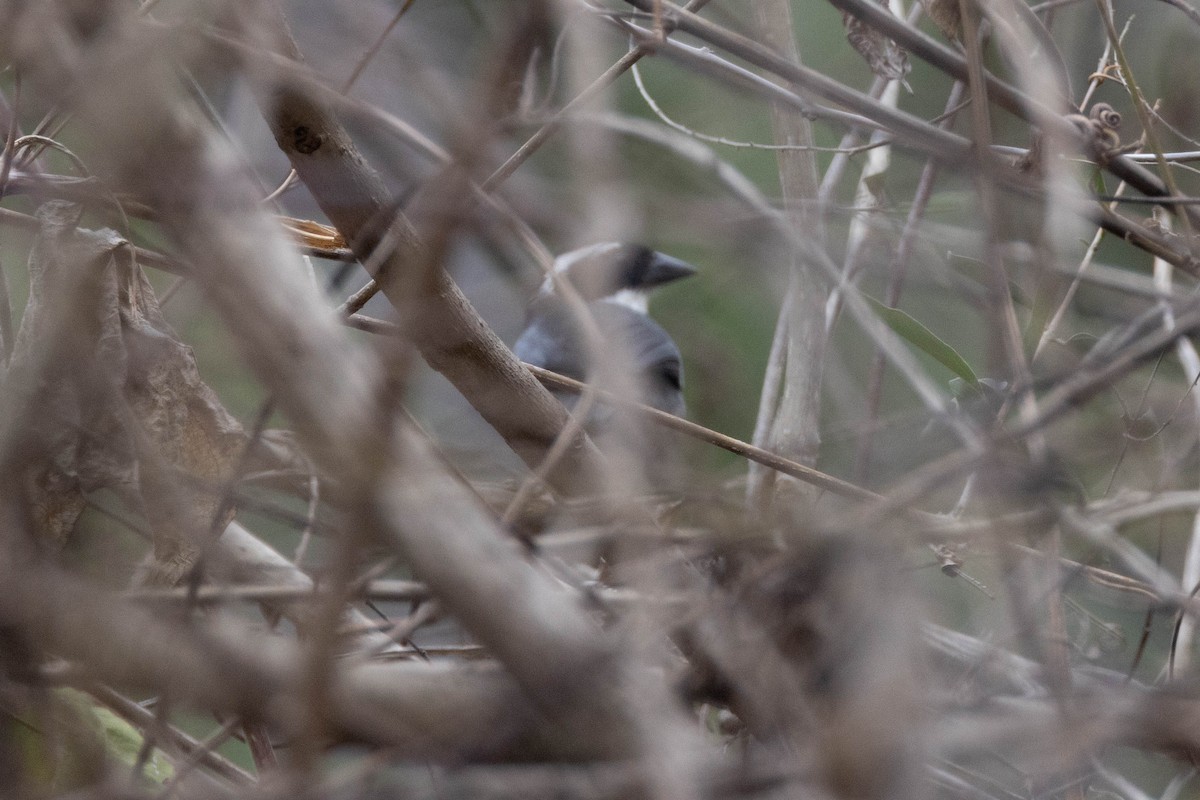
(975,271)
(925,340)
(121,740)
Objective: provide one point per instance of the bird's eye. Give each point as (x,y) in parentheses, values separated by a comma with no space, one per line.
(671,373)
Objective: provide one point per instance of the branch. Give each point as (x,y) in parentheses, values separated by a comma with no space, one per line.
(449,332)
(395,486)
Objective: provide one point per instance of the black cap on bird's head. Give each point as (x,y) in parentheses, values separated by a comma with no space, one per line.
(616,271)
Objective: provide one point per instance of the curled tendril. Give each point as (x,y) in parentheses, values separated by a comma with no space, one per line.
(1106,115)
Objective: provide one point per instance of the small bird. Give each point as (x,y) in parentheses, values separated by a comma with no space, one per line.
(614,279)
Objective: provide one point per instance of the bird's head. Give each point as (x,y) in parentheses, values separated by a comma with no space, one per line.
(616,271)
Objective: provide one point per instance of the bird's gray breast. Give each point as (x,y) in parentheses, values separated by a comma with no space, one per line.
(552,340)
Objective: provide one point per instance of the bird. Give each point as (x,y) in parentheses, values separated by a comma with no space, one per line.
(614,280)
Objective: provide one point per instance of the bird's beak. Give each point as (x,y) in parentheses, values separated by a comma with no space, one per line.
(664,269)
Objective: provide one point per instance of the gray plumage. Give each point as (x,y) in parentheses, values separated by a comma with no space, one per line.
(614,280)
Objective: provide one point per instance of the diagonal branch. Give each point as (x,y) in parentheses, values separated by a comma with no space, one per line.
(451,336)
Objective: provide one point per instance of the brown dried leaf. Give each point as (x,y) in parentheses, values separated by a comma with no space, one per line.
(313,234)
(64,360)
(123,405)
(946,14)
(885,58)
(183,418)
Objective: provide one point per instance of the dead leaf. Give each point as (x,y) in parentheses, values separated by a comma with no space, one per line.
(946,14)
(191,431)
(885,58)
(314,234)
(66,365)
(120,401)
